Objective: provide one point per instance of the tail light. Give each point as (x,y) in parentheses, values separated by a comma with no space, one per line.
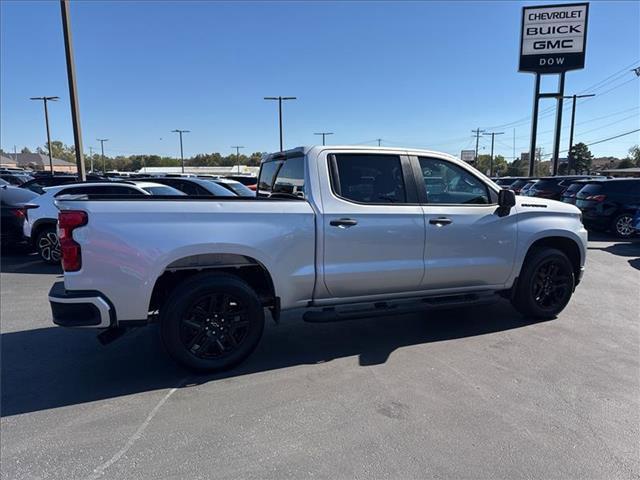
(19,213)
(596,198)
(68,221)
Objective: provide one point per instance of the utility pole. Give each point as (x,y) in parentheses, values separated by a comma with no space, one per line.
(493,136)
(379,141)
(180,132)
(104,167)
(477,133)
(323,135)
(46,120)
(73,91)
(514,144)
(570,165)
(280,99)
(237,147)
(91,157)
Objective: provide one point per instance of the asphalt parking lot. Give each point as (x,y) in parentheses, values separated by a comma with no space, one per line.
(469,393)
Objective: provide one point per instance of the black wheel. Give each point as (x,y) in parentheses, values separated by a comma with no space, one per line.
(211,322)
(622,225)
(48,245)
(545,284)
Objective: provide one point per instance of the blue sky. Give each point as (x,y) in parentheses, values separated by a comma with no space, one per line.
(412,73)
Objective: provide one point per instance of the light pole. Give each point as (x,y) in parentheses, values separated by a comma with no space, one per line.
(180,132)
(237,147)
(91,157)
(379,141)
(324,134)
(573,120)
(46,120)
(493,135)
(73,91)
(104,166)
(280,99)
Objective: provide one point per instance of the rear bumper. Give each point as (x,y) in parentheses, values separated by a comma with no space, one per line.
(88,309)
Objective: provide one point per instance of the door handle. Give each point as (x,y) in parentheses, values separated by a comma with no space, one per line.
(440,221)
(343,222)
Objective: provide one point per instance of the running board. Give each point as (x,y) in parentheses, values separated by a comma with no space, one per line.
(397,307)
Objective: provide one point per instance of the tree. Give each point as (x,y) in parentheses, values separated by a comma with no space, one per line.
(634,155)
(581,158)
(626,163)
(25,150)
(499,164)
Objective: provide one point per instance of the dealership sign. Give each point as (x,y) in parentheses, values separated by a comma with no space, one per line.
(553,38)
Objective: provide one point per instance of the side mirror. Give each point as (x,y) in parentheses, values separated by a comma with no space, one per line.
(506,199)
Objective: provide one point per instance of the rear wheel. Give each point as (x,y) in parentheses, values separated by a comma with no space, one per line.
(545,284)
(212,322)
(48,245)
(622,225)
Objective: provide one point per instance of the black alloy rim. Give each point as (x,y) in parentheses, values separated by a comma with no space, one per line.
(214,326)
(551,283)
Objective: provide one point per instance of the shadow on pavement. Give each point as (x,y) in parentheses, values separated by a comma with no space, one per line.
(628,248)
(26,263)
(54,367)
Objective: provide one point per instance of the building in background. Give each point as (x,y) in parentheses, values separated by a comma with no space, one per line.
(40,162)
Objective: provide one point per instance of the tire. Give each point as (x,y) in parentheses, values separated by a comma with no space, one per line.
(211,322)
(545,284)
(48,245)
(621,226)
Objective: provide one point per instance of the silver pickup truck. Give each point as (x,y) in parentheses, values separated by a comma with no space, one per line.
(339,232)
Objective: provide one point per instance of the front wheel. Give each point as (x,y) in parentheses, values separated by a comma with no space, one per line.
(211,322)
(48,246)
(545,284)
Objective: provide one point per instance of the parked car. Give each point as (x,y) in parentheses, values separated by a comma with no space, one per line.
(506,182)
(3,182)
(194,186)
(569,195)
(13,214)
(552,187)
(39,183)
(233,186)
(524,191)
(42,213)
(249,181)
(342,232)
(610,205)
(517,185)
(15,178)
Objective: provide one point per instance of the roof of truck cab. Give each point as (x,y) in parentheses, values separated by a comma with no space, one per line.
(305,150)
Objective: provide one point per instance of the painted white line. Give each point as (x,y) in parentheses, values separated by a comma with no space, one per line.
(99,470)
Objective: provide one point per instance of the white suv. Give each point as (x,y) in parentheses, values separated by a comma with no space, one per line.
(42,213)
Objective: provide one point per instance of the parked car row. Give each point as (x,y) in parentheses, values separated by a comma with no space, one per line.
(606,203)
(30,214)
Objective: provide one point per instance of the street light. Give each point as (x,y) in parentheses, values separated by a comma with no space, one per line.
(46,120)
(280,99)
(323,135)
(180,132)
(237,147)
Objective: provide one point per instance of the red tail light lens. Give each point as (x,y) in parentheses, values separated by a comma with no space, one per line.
(69,220)
(596,198)
(18,212)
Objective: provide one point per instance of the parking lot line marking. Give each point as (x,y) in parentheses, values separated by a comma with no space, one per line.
(99,470)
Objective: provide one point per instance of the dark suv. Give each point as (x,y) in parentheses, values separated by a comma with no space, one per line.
(552,187)
(610,205)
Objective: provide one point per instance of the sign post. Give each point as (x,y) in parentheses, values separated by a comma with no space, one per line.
(553,41)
